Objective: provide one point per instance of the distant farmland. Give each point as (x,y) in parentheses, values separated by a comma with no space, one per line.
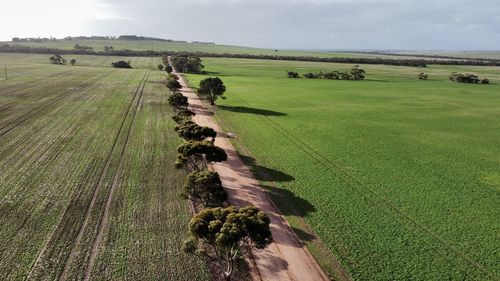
(398,177)
(76,143)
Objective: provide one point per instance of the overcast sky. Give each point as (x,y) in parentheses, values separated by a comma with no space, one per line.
(287,24)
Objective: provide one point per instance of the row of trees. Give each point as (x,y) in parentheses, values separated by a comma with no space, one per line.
(467,78)
(185,63)
(16,48)
(218,233)
(356,73)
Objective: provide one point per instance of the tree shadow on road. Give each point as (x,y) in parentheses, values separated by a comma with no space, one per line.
(251,110)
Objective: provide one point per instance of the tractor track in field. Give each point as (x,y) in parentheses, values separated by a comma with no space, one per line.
(103,221)
(105,218)
(101,179)
(354,182)
(31,113)
(25,139)
(42,148)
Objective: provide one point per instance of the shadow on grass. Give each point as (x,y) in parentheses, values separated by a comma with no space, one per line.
(262,173)
(304,236)
(250,110)
(289,203)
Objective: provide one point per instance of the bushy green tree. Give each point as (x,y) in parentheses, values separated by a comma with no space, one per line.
(169,69)
(212,88)
(422,76)
(173,85)
(205,187)
(183,115)
(198,154)
(121,64)
(57,59)
(160,67)
(228,232)
(189,130)
(178,100)
(187,63)
(72,61)
(357,73)
(464,78)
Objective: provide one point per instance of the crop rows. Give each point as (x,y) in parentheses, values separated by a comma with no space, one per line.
(65,166)
(387,172)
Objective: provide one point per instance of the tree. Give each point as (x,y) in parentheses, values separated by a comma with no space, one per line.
(57,59)
(422,76)
(178,100)
(357,73)
(191,131)
(212,88)
(173,85)
(169,69)
(228,232)
(187,63)
(206,187)
(183,115)
(198,154)
(292,74)
(121,64)
(485,81)
(160,67)
(172,76)
(72,61)
(464,78)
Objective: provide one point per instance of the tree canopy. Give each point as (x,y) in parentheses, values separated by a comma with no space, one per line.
(198,154)
(206,187)
(212,88)
(173,85)
(187,63)
(121,64)
(228,232)
(57,59)
(189,130)
(178,100)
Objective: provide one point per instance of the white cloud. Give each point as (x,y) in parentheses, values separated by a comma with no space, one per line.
(58,18)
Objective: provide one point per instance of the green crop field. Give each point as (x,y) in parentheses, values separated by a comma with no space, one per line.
(86,173)
(399,178)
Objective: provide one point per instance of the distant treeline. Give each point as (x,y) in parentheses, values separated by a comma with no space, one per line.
(12,48)
(429,56)
(121,37)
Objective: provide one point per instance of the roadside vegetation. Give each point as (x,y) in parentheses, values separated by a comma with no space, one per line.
(217,233)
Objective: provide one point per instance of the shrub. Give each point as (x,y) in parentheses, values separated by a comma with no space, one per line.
(121,64)
(422,76)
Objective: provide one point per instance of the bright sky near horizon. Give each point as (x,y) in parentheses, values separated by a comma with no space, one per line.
(293,24)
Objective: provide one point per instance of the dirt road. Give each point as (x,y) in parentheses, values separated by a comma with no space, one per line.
(287,258)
